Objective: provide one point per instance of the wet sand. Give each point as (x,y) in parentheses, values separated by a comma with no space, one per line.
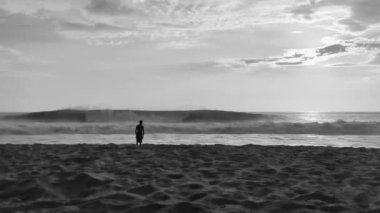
(178,178)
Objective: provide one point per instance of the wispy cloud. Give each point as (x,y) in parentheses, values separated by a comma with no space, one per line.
(13,56)
(184,48)
(153,19)
(108,7)
(75,26)
(309,56)
(156,16)
(359,15)
(180,24)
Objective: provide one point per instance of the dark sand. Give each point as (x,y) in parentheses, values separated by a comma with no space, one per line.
(188,179)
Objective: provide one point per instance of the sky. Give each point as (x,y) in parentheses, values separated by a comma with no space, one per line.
(240,55)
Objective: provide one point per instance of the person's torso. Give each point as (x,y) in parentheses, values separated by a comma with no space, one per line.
(139,129)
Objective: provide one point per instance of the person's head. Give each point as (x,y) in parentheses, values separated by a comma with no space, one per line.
(141,122)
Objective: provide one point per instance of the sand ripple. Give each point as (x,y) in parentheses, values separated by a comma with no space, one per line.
(162,178)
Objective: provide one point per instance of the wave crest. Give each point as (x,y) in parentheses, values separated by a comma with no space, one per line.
(331,128)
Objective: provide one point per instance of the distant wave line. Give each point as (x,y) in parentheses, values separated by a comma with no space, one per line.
(327,128)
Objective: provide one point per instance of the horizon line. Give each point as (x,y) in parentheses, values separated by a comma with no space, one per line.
(206,109)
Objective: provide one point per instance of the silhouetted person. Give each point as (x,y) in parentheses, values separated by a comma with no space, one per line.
(139,131)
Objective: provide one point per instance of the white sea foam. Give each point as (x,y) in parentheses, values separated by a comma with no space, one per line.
(202,139)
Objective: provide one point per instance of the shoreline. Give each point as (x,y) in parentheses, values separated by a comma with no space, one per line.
(170,146)
(188,178)
(369,141)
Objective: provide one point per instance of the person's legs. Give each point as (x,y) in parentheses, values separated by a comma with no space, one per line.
(139,139)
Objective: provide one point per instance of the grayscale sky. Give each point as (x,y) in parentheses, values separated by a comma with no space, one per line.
(243,55)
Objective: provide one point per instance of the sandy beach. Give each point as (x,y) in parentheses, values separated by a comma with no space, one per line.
(177,178)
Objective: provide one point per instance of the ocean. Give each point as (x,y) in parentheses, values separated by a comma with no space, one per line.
(370,141)
(327,116)
(339,129)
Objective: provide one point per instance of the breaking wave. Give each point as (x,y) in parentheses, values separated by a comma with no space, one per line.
(135,115)
(246,127)
(176,122)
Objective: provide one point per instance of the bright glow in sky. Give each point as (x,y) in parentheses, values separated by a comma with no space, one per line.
(242,55)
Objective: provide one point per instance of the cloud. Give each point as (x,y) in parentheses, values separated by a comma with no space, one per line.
(331,49)
(259,60)
(131,20)
(181,44)
(342,65)
(304,10)
(285,60)
(172,23)
(161,20)
(368,45)
(360,15)
(9,56)
(309,56)
(108,7)
(71,26)
(289,63)
(290,57)
(366,11)
(353,25)
(96,33)
(172,19)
